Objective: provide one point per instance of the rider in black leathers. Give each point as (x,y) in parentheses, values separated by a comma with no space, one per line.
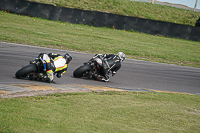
(110,64)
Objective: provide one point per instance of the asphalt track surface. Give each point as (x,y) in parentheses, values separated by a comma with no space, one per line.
(134,75)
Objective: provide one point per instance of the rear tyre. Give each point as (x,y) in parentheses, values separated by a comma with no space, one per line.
(81,70)
(22,73)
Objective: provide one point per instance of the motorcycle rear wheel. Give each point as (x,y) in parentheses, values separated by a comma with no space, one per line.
(24,71)
(79,72)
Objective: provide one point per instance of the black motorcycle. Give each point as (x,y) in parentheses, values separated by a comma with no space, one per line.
(93,66)
(35,71)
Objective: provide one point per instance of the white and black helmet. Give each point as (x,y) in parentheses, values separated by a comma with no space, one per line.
(121,55)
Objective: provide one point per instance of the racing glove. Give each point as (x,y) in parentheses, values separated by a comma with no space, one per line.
(59,75)
(113,73)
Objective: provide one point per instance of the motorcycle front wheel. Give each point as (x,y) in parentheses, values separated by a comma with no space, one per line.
(79,72)
(24,71)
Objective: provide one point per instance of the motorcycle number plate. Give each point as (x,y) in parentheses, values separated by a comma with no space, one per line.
(99,61)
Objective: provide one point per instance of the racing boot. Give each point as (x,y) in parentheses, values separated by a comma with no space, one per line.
(101,78)
(105,79)
(49,77)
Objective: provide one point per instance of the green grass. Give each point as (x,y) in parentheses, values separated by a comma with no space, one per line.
(131,8)
(105,112)
(40,32)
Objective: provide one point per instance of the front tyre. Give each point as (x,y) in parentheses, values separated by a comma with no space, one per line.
(81,70)
(24,71)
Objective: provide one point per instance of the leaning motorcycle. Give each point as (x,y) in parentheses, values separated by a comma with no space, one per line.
(36,70)
(93,66)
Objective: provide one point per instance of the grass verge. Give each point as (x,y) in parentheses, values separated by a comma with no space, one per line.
(40,32)
(131,8)
(104,112)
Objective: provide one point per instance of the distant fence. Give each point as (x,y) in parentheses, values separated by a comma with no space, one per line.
(186,4)
(100,19)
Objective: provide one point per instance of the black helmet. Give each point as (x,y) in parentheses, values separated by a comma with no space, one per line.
(68,58)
